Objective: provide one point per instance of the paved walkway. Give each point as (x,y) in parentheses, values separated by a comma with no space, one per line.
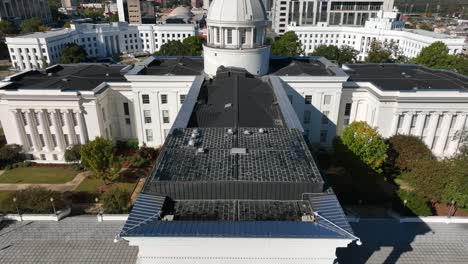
(65,187)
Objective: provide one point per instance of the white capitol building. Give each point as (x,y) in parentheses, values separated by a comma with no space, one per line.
(47,111)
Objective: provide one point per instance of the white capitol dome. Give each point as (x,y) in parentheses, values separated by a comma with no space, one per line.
(236,36)
(236,11)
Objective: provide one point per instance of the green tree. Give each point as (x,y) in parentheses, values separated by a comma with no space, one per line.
(4,53)
(343,55)
(366,144)
(173,48)
(7,28)
(194,45)
(404,151)
(429,178)
(10,154)
(32,25)
(95,14)
(99,157)
(437,56)
(113,18)
(287,45)
(116,201)
(385,52)
(73,53)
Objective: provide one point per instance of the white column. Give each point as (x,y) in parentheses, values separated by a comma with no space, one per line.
(458,134)
(252,40)
(408,116)
(420,124)
(33,130)
(69,127)
(58,130)
(445,127)
(431,129)
(45,130)
(82,126)
(20,128)
(394,127)
(354,109)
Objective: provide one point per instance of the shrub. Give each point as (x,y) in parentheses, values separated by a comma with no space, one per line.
(148,153)
(416,204)
(139,162)
(133,143)
(404,151)
(116,201)
(10,154)
(77,167)
(34,200)
(73,155)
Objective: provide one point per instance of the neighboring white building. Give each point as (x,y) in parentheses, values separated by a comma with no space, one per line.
(385,27)
(333,12)
(37,50)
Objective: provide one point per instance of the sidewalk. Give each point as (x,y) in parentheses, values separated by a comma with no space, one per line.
(65,187)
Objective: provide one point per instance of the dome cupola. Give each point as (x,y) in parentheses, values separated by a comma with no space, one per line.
(236,36)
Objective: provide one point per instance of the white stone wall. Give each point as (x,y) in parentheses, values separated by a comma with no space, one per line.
(235,250)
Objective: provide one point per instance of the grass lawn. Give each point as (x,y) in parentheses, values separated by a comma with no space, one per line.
(88,190)
(38,175)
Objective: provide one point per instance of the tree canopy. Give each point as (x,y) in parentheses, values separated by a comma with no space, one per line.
(343,55)
(365,143)
(33,25)
(287,45)
(73,53)
(194,45)
(385,52)
(7,28)
(437,56)
(404,151)
(99,157)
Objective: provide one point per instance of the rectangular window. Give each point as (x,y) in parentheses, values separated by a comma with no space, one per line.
(147,115)
(149,135)
(145,98)
(54,140)
(325,117)
(41,138)
(127,121)
(62,119)
(126,109)
(23,117)
(327,99)
(307,117)
(347,110)
(182,98)
(43,157)
(243,36)
(165,114)
(49,118)
(55,157)
(323,136)
(400,121)
(103,114)
(308,99)
(75,119)
(229,36)
(218,34)
(163,98)
(78,139)
(67,141)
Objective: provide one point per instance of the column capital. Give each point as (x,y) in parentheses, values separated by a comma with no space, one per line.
(64,111)
(51,111)
(422,113)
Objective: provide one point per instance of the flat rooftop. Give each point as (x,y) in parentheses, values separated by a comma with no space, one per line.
(236,98)
(275,155)
(175,66)
(297,66)
(401,77)
(69,77)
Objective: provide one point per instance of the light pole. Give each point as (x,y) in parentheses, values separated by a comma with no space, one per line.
(99,209)
(53,205)
(404,204)
(17,209)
